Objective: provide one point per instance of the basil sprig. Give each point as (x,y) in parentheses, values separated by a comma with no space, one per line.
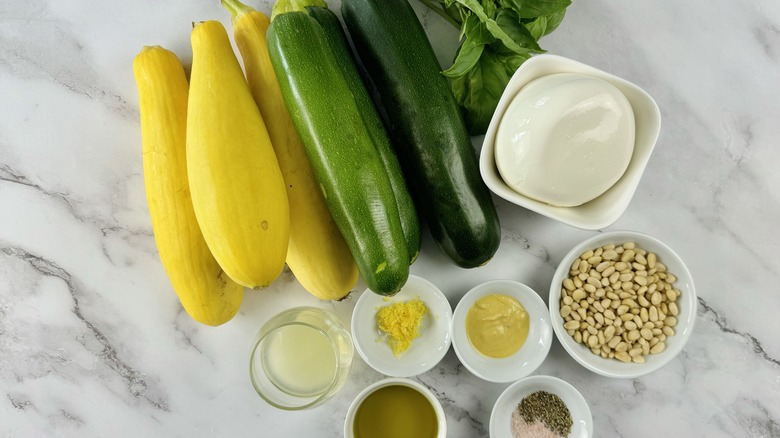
(496,37)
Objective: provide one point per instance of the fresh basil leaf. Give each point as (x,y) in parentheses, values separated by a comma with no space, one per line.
(478,91)
(541,26)
(489,6)
(553,21)
(509,22)
(492,26)
(538,8)
(476,30)
(469,52)
(466,58)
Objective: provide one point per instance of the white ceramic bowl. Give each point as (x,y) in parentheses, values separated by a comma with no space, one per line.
(501,417)
(530,355)
(686,303)
(607,208)
(425,352)
(442,420)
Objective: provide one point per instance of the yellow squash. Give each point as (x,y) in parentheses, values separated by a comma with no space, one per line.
(318,255)
(237,188)
(206,293)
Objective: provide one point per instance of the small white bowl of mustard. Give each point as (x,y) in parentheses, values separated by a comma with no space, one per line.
(501,331)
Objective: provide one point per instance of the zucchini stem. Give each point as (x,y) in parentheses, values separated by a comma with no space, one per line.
(283,6)
(441,12)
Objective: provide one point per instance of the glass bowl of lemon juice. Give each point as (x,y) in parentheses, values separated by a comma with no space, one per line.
(300,358)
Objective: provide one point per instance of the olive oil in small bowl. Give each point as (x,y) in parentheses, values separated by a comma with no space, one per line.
(395,407)
(300,358)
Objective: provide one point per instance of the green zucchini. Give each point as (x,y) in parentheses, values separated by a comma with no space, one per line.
(337,41)
(426,127)
(353,179)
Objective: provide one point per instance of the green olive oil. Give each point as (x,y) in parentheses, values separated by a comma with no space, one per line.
(396,411)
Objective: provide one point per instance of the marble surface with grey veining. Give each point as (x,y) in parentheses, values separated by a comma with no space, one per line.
(93,341)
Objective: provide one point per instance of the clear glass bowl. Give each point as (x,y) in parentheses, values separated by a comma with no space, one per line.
(300,358)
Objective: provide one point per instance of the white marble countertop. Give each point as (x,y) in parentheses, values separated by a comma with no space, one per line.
(93,342)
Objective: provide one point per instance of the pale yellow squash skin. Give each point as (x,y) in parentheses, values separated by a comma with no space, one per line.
(205,292)
(237,187)
(318,255)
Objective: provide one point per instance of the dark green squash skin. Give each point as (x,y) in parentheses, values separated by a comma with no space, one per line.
(427,128)
(353,179)
(340,47)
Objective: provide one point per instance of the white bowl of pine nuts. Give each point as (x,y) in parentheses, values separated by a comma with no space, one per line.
(622,303)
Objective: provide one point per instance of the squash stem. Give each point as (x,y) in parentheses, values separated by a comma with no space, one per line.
(236,8)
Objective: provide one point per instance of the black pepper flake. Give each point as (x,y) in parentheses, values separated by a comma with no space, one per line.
(549,409)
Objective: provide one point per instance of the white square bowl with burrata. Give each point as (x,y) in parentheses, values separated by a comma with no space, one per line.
(569,141)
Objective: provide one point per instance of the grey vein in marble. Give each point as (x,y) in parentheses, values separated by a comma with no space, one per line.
(134,379)
(54,54)
(723,325)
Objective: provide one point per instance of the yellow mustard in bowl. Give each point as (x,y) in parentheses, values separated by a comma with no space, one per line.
(497,325)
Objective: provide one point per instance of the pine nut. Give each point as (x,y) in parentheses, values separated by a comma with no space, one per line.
(668,331)
(609,254)
(578,295)
(671,321)
(589,287)
(621,347)
(565,311)
(613,342)
(568,284)
(646,334)
(651,259)
(657,348)
(587,254)
(571,325)
(608,271)
(578,337)
(622,356)
(653,314)
(673,309)
(638,359)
